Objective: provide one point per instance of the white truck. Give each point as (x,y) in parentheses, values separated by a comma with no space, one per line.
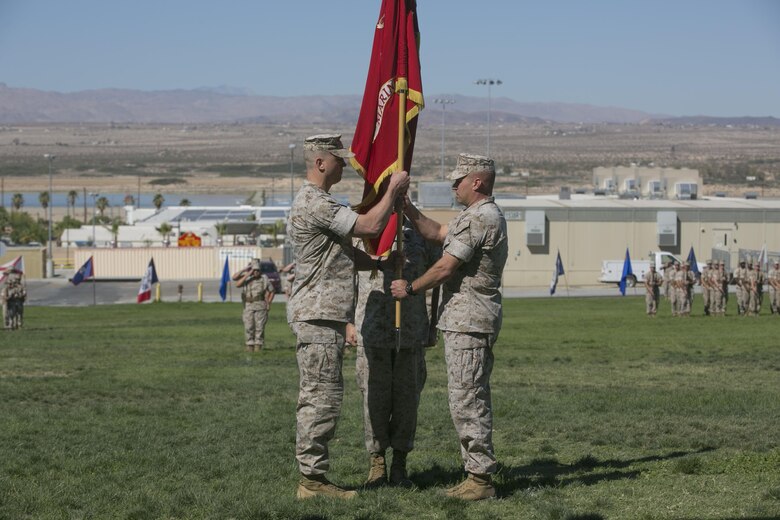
(612,270)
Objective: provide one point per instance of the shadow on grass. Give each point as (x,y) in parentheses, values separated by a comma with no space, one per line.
(548,472)
(586,471)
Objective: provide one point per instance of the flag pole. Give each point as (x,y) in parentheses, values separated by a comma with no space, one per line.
(402,88)
(94,295)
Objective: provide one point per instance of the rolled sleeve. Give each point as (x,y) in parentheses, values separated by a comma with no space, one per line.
(343,221)
(459,250)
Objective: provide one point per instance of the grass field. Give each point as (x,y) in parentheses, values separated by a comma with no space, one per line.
(155,411)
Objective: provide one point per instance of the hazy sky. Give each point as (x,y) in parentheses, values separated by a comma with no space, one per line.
(676,57)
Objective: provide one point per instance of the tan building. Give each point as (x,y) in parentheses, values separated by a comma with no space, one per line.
(648,182)
(587,230)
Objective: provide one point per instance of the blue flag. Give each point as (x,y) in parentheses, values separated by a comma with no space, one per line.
(556,273)
(85,272)
(223,286)
(693,263)
(626,273)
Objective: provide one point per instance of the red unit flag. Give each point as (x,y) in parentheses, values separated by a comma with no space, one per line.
(395,63)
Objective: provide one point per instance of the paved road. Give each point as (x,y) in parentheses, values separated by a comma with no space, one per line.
(58,291)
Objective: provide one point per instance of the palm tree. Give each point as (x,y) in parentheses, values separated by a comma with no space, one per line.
(101,204)
(72,196)
(185,203)
(114,229)
(158,201)
(221,228)
(165,230)
(17,201)
(43,198)
(277,229)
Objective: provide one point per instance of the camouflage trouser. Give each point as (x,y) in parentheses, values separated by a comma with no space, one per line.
(651,302)
(255,317)
(13,313)
(390,383)
(716,301)
(469,360)
(754,306)
(741,304)
(683,301)
(705,300)
(774,299)
(673,301)
(320,354)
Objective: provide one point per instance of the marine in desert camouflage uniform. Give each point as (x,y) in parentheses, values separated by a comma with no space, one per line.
(741,288)
(756,280)
(773,280)
(13,296)
(704,282)
(391,379)
(474,254)
(653,281)
(322,300)
(257,293)
(673,300)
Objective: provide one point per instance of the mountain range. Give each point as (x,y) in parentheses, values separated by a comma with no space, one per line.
(226,104)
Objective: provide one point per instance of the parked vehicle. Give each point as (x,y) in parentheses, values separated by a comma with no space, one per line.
(612,270)
(268,268)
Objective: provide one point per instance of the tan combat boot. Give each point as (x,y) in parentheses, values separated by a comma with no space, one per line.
(398,470)
(475,487)
(377,473)
(317,485)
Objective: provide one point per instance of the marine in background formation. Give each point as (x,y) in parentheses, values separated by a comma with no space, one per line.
(773,280)
(756,281)
(740,277)
(672,287)
(704,282)
(653,282)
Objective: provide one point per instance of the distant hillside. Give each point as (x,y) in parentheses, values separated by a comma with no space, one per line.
(232,104)
(720,121)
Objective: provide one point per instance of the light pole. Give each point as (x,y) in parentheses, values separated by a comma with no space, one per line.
(292,174)
(443,102)
(50,259)
(489,82)
(94,217)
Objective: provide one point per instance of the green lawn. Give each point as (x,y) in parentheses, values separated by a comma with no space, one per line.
(155,411)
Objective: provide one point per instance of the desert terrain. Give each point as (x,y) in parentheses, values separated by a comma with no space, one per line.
(249,159)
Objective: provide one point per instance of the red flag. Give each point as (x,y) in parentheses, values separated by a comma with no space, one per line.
(395,55)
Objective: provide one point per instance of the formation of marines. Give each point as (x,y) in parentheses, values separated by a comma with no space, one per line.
(748,280)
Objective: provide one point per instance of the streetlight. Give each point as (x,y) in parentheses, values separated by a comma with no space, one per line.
(94,217)
(292,175)
(443,103)
(489,82)
(50,260)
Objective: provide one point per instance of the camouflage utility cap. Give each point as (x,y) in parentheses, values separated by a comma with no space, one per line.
(256,264)
(327,143)
(468,163)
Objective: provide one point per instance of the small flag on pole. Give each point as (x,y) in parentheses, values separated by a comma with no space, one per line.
(149,279)
(85,272)
(223,286)
(694,265)
(558,271)
(626,273)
